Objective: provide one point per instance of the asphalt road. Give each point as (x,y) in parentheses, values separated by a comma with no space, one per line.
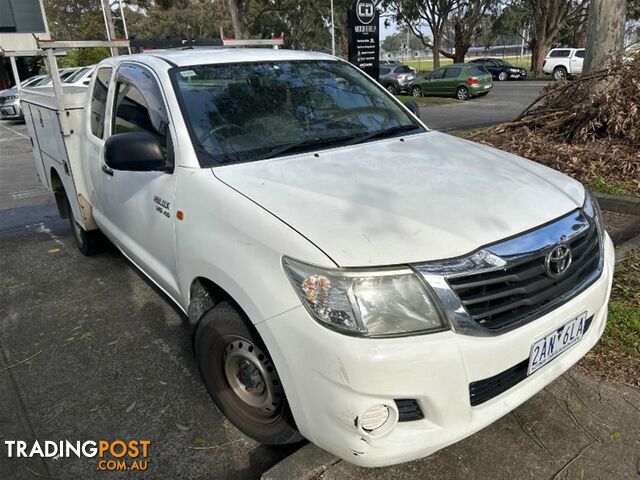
(503,104)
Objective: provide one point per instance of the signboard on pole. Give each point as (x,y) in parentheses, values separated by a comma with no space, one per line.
(364,36)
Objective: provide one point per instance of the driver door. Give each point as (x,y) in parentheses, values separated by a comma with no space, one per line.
(432,85)
(137,207)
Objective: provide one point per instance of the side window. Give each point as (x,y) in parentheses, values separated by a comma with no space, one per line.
(580,53)
(452,72)
(99,101)
(559,53)
(139,104)
(436,74)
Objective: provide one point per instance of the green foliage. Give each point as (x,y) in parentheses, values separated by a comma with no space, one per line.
(82,56)
(600,185)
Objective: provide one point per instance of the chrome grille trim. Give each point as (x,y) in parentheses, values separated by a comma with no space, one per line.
(445,277)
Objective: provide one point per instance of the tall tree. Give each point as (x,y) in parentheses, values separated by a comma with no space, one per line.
(416,14)
(239,10)
(605,33)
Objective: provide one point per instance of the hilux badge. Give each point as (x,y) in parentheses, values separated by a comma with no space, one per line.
(558,260)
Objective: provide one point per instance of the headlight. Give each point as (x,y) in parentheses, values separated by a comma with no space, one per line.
(374,303)
(592,209)
(12,97)
(514,70)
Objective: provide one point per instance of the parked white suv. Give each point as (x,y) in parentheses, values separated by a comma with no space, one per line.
(350,276)
(562,63)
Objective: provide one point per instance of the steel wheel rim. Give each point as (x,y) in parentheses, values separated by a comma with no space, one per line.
(252,377)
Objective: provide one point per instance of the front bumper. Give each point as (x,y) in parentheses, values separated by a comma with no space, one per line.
(11,111)
(331,379)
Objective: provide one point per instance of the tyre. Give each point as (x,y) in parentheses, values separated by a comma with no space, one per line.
(559,73)
(89,243)
(391,89)
(241,378)
(502,76)
(462,93)
(416,92)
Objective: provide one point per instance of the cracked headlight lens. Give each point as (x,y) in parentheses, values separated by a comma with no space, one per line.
(367,303)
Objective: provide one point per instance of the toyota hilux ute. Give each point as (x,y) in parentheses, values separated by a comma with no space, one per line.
(351,276)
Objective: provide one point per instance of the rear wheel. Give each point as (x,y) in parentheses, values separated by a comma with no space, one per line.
(416,91)
(391,89)
(559,73)
(462,93)
(89,243)
(502,76)
(241,378)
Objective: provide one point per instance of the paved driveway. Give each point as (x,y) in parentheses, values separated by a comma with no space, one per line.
(504,103)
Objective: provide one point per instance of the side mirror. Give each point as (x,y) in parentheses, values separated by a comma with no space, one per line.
(413,107)
(135,151)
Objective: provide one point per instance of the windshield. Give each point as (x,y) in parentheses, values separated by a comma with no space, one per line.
(252,111)
(504,62)
(75,76)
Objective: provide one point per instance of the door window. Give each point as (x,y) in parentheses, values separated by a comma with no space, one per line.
(580,53)
(452,72)
(99,101)
(139,106)
(436,74)
(559,53)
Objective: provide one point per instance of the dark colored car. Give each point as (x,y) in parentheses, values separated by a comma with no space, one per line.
(396,79)
(463,80)
(500,69)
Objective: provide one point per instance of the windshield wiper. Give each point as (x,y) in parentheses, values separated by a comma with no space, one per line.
(387,132)
(305,144)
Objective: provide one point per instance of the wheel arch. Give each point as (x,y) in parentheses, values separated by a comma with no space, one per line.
(204,294)
(59,192)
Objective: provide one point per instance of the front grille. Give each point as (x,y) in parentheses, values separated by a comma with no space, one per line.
(408,410)
(484,390)
(500,298)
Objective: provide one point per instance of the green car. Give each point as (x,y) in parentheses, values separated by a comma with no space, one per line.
(463,80)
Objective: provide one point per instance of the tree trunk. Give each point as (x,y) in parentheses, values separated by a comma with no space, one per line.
(238,19)
(539,51)
(111,31)
(437,42)
(605,34)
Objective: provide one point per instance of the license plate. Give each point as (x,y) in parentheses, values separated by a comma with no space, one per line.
(556,342)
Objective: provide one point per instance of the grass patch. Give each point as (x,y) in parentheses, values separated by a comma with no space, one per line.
(623,327)
(427,64)
(601,185)
(617,356)
(428,100)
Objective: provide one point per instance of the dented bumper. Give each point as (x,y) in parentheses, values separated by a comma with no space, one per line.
(331,379)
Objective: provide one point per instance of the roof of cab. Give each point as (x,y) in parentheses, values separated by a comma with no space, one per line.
(184,58)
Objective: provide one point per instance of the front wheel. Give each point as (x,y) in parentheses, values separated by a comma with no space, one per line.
(462,93)
(241,378)
(559,73)
(391,89)
(502,76)
(89,243)
(416,91)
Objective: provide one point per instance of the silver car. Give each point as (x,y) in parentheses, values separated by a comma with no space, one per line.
(10,100)
(396,79)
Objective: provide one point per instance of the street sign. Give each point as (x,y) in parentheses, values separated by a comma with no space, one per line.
(364,36)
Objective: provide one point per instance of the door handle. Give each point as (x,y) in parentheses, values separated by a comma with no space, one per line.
(107,170)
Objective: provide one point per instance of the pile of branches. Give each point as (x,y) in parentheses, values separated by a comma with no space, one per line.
(588,127)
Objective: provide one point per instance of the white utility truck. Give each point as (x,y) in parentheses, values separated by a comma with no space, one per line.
(351,276)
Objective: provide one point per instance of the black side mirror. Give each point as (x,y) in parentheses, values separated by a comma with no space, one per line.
(135,151)
(413,107)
